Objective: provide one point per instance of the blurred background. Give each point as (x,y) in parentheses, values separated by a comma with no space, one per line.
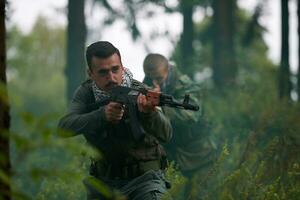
(243,53)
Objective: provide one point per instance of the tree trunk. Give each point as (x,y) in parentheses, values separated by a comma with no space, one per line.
(298,16)
(76,35)
(187,37)
(5,192)
(284,72)
(224,57)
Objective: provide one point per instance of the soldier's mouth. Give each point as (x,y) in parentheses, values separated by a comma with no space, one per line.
(110,85)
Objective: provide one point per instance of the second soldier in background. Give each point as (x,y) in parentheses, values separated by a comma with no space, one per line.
(190,147)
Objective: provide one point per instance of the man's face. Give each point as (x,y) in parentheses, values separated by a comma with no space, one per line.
(106,72)
(158,74)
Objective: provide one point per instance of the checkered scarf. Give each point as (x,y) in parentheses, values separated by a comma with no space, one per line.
(126,81)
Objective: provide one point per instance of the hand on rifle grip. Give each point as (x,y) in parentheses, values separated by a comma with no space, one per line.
(114,112)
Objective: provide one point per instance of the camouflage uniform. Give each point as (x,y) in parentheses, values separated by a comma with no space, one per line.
(190,146)
(132,167)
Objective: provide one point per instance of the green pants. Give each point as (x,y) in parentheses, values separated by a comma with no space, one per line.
(149,186)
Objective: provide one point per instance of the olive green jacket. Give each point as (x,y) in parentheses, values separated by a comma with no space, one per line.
(115,141)
(191,146)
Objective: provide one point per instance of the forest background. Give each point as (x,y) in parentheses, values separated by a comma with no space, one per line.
(251,103)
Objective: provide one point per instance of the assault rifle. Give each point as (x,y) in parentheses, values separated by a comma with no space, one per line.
(128,96)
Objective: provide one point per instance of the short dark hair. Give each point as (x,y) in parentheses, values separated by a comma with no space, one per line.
(100,49)
(153,60)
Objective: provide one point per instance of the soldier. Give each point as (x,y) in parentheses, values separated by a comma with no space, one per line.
(190,146)
(133,167)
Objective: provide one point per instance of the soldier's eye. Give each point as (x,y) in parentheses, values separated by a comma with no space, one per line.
(103,72)
(115,69)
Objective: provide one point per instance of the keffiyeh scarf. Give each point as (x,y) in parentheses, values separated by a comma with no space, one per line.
(127,78)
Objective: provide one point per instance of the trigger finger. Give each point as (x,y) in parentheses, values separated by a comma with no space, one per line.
(144,100)
(139,99)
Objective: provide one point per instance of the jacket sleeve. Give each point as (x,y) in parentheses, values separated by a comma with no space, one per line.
(185,86)
(79,119)
(157,124)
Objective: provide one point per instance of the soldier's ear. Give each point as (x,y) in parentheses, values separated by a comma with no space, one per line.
(89,72)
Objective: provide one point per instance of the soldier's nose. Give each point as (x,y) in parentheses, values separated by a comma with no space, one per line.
(110,76)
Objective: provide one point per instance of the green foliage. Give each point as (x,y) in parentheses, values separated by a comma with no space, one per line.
(106,191)
(176,179)
(35,68)
(44,166)
(262,137)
